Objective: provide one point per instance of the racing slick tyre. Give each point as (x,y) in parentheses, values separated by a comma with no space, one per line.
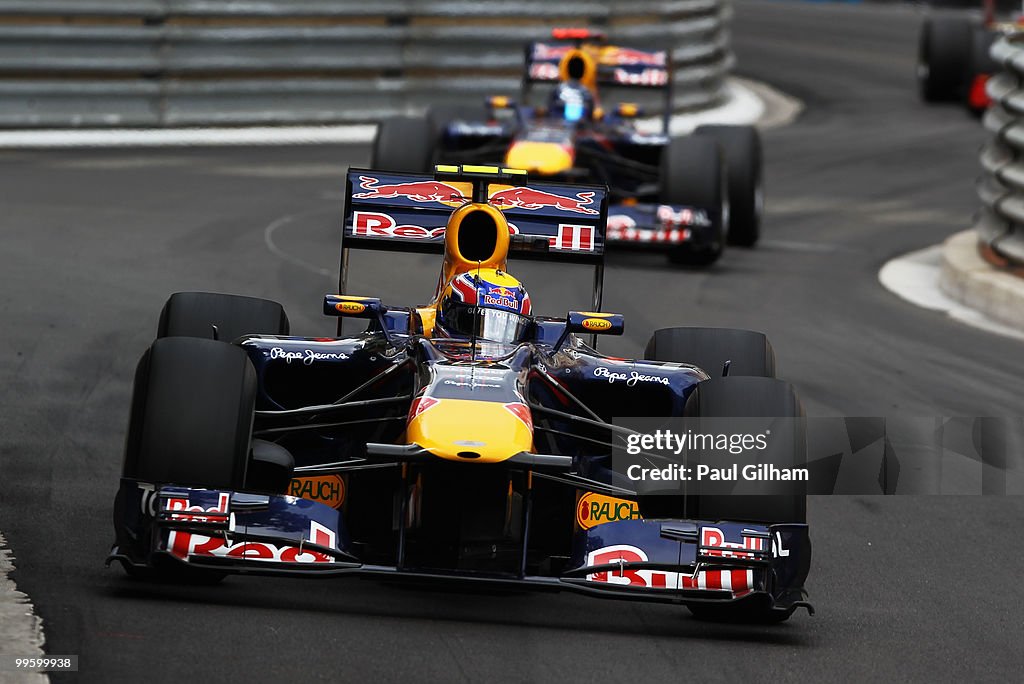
(693,173)
(403,143)
(744,162)
(190,424)
(200,314)
(944,50)
(748,352)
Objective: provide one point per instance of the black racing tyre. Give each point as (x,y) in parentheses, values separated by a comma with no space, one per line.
(191,415)
(944,51)
(752,397)
(749,352)
(744,161)
(693,173)
(194,314)
(403,143)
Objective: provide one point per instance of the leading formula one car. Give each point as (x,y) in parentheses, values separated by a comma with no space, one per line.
(466,439)
(685,195)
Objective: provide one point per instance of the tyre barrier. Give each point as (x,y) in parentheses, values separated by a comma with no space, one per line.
(99,63)
(1000,223)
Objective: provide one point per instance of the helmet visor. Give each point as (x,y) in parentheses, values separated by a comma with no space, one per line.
(487,324)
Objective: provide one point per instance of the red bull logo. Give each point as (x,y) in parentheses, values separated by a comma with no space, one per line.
(417,191)
(532,199)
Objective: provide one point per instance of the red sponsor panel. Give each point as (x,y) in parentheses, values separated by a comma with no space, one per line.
(572,238)
(377,224)
(187,545)
(738,581)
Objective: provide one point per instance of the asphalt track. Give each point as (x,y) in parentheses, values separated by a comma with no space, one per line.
(908,588)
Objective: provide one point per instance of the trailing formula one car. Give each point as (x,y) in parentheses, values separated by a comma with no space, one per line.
(953,62)
(686,195)
(466,439)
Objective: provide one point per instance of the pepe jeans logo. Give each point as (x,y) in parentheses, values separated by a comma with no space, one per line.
(306,356)
(631,379)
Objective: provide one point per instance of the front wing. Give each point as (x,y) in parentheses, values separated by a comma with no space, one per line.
(675,561)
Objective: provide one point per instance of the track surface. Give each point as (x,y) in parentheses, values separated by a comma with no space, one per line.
(93,242)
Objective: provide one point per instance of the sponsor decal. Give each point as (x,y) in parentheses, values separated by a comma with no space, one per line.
(739,582)
(472,384)
(350,307)
(574,238)
(720,548)
(306,356)
(631,378)
(218,513)
(532,199)
(596,324)
(522,412)
(550,52)
(377,224)
(628,56)
(417,191)
(544,71)
(325,489)
(597,509)
(186,545)
(670,218)
(147,500)
(644,77)
(421,404)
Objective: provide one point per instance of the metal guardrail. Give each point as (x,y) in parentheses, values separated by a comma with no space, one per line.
(1000,224)
(72,63)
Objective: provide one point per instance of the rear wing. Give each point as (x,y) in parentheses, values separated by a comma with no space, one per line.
(616,65)
(408,212)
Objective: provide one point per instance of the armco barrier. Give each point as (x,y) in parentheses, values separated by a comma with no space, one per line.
(1000,225)
(66,63)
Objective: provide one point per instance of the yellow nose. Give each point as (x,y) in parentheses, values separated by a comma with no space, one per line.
(463,429)
(539,157)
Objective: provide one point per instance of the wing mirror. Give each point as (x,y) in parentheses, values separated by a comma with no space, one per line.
(593,323)
(353,307)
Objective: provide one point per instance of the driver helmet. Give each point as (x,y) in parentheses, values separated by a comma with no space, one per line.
(484,303)
(572,102)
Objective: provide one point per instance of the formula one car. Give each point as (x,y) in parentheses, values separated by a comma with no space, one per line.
(687,195)
(465,439)
(953,62)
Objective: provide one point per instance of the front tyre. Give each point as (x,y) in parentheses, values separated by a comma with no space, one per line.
(744,163)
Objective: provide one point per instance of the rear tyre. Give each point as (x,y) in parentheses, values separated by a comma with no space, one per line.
(194,314)
(403,143)
(190,424)
(944,50)
(741,146)
(693,173)
(749,352)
